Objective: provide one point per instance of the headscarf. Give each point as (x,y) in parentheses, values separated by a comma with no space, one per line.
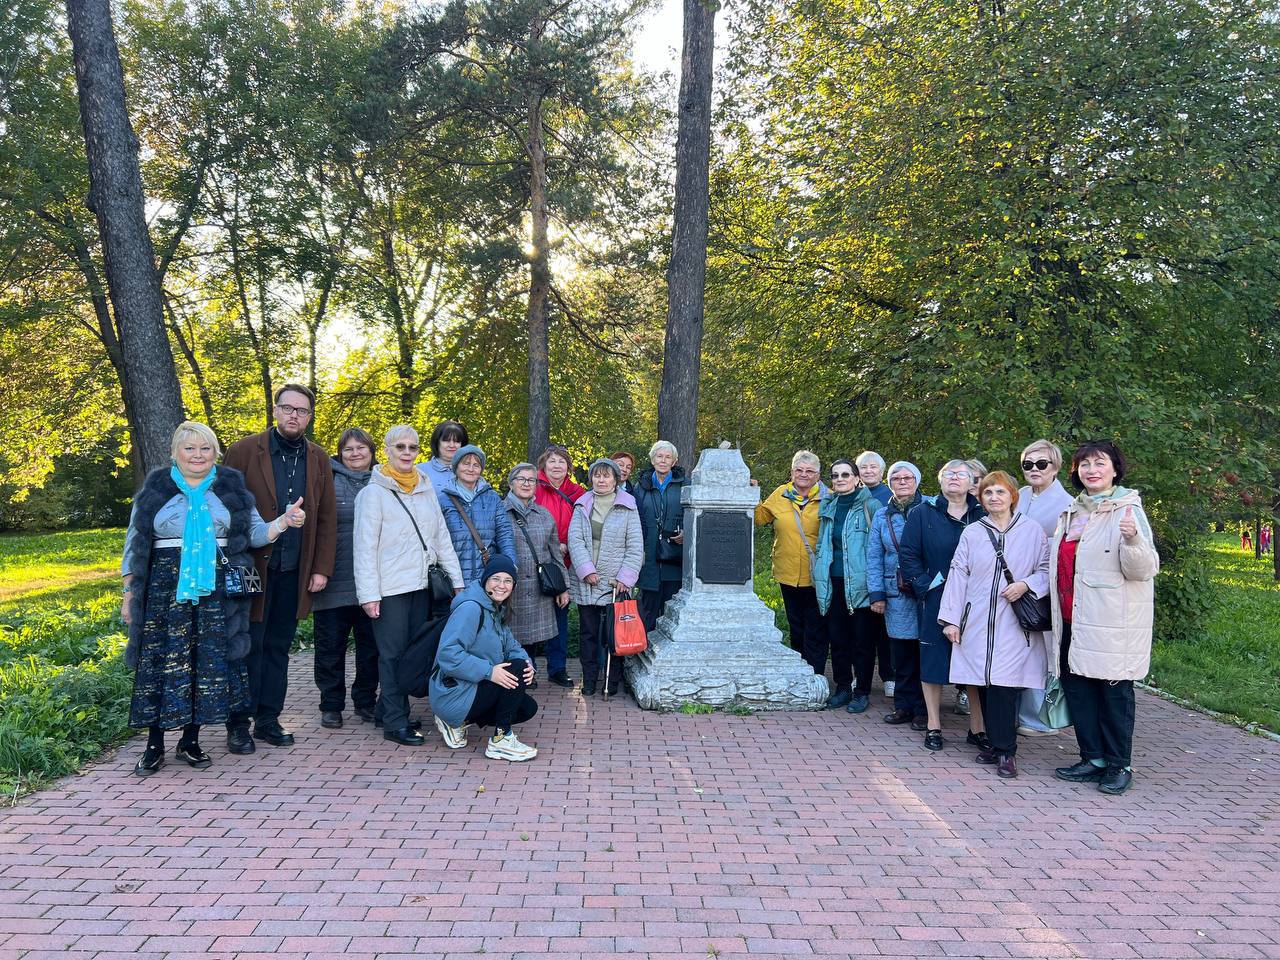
(198,567)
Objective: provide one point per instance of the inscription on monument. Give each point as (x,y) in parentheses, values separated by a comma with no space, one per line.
(723,547)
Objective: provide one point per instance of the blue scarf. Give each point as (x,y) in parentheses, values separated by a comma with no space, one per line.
(198,570)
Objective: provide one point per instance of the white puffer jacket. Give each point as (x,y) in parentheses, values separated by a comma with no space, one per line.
(389,559)
(1114,591)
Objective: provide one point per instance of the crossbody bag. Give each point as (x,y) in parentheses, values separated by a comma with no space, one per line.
(1032,611)
(550,577)
(438,583)
(460,504)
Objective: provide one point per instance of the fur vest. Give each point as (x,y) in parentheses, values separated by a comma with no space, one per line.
(157,490)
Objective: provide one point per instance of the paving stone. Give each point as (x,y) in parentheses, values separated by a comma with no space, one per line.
(634,833)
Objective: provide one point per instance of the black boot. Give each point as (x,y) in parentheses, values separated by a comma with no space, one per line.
(152,758)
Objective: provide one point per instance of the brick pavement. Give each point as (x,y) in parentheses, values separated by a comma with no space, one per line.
(815,835)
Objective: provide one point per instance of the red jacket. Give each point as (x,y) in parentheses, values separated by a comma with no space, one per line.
(559,503)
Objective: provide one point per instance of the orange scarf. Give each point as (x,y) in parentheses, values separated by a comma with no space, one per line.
(406,480)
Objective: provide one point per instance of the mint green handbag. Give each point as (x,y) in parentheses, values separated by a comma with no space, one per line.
(1053,712)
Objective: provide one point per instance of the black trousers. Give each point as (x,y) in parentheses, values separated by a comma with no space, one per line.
(498,707)
(333,627)
(592,653)
(884,651)
(269,643)
(907,692)
(652,602)
(400,617)
(808,632)
(1000,707)
(854,639)
(1102,712)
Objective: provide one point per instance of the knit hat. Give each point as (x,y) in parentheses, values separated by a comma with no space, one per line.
(906,465)
(606,462)
(498,563)
(468,450)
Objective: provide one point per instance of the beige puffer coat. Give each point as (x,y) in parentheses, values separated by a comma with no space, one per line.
(1114,591)
(389,559)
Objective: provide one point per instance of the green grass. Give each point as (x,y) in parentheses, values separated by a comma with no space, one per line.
(64,691)
(1235,667)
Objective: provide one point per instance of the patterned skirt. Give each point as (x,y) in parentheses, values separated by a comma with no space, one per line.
(183,673)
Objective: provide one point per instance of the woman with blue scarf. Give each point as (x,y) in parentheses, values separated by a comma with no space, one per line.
(187,639)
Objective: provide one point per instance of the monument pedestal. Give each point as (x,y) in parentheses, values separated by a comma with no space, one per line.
(717,643)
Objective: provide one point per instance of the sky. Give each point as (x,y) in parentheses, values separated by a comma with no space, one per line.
(657,44)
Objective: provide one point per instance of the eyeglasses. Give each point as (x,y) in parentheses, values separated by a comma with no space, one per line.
(1035,464)
(842,475)
(955,474)
(288,410)
(501,580)
(902,478)
(525,480)
(407,447)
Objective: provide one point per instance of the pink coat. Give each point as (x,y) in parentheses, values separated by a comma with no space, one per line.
(994,650)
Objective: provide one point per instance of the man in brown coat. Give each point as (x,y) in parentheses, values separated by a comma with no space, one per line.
(281,465)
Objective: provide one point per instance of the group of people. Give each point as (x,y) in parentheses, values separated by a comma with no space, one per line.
(381,545)
(1264,539)
(872,570)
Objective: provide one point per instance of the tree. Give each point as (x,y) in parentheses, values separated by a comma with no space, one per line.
(686,274)
(152,397)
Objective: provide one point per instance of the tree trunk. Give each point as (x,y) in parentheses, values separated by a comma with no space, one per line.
(687,272)
(539,274)
(153,400)
(193,363)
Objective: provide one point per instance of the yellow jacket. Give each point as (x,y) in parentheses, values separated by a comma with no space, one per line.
(790,556)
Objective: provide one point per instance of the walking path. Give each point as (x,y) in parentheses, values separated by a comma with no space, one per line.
(640,834)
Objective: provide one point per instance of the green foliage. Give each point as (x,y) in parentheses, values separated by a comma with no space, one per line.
(946,229)
(696,709)
(1186,599)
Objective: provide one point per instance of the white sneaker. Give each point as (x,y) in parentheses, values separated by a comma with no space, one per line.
(455,738)
(962,703)
(889,687)
(510,748)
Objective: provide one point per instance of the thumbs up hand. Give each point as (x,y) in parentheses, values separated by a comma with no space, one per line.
(294,515)
(1128,525)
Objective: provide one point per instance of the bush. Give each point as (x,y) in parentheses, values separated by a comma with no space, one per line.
(1185,601)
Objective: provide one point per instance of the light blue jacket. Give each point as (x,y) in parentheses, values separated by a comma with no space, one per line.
(473,643)
(854,540)
(901,613)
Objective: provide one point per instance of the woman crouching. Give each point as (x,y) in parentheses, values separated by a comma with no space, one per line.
(481,672)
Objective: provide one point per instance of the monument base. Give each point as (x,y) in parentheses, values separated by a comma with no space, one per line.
(728,653)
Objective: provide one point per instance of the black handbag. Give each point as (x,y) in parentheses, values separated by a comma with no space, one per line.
(1033,613)
(666,551)
(439,586)
(239,580)
(550,577)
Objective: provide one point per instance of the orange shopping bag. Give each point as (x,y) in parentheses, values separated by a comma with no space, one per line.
(629,636)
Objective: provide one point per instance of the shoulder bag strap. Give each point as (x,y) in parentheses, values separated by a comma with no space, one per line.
(800,526)
(519,522)
(404,506)
(1004,567)
(893,534)
(475,534)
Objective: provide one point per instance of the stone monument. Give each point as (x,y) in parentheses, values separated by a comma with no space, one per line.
(717,643)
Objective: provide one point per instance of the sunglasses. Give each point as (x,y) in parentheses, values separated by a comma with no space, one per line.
(842,475)
(407,447)
(1035,464)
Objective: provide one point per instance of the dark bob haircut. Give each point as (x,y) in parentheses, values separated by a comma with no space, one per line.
(448,430)
(1092,447)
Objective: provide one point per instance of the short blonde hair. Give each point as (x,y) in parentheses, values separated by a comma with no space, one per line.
(1053,452)
(400,431)
(951,464)
(190,428)
(806,456)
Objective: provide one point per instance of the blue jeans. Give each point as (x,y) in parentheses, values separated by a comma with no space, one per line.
(558,646)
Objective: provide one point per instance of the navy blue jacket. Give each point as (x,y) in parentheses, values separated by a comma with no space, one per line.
(660,512)
(928,543)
